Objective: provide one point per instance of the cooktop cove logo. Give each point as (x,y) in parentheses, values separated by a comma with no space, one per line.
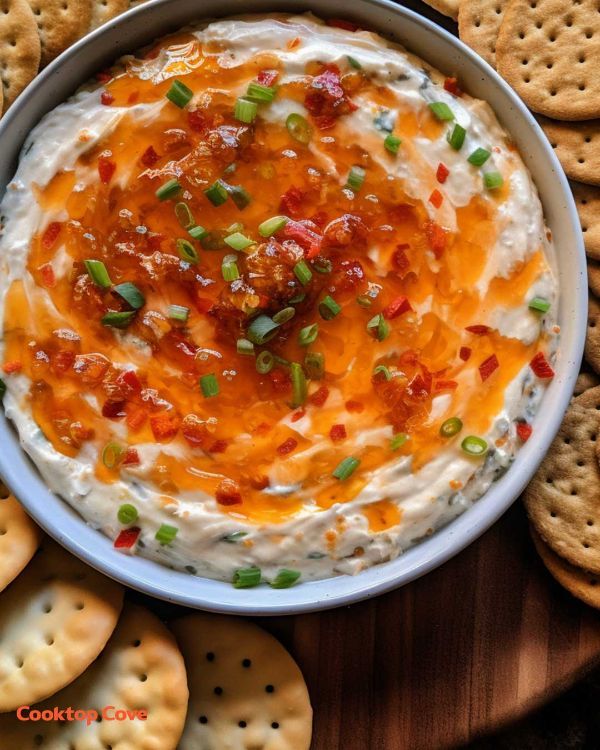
(89,715)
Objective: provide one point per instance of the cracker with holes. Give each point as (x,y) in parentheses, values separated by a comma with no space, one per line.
(104,10)
(562,499)
(19,538)
(592,339)
(19,49)
(585,381)
(55,619)
(60,23)
(580,583)
(548,51)
(478,26)
(140,670)
(445,7)
(245,689)
(587,200)
(577,146)
(593,269)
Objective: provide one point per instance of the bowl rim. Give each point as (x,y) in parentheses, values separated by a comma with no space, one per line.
(63,523)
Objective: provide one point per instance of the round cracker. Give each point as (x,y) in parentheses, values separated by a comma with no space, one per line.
(593,269)
(580,583)
(585,382)
(478,26)
(587,200)
(548,51)
(104,10)
(19,49)
(54,621)
(245,688)
(60,24)
(577,146)
(19,538)
(562,499)
(140,668)
(592,339)
(445,7)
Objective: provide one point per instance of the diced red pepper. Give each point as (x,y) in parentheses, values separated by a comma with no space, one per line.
(198,120)
(291,202)
(219,446)
(104,76)
(130,379)
(400,260)
(51,234)
(131,457)
(396,308)
(113,409)
(488,366)
(419,387)
(164,426)
(442,173)
(63,360)
(135,418)
(287,446)
(341,23)
(445,385)
(297,415)
(541,367)
(228,493)
(194,429)
(149,157)
(127,538)
(436,237)
(11,367)
(267,77)
(354,406)
(451,85)
(320,396)
(106,169)
(464,353)
(478,330)
(305,236)
(338,433)
(281,381)
(47,274)
(106,98)
(524,431)
(436,198)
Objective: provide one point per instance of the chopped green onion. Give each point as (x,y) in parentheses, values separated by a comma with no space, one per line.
(184,215)
(127,514)
(197,232)
(98,273)
(303,272)
(346,468)
(272,225)
(169,189)
(456,137)
(474,446)
(217,193)
(131,294)
(297,298)
(392,143)
(186,251)
(398,441)
(285,578)
(245,110)
(283,316)
(117,319)
(238,241)
(209,385)
(234,537)
(264,362)
(262,329)
(213,240)
(451,427)
(379,327)
(493,180)
(245,347)
(329,308)
(239,195)
(2,389)
(353,63)
(383,369)
(229,269)
(237,226)
(356,177)
(111,455)
(179,313)
(179,94)
(299,388)
(298,127)
(308,334)
(166,534)
(314,363)
(256,92)
(230,168)
(479,157)
(441,111)
(323,265)
(539,304)
(246,578)
(364,300)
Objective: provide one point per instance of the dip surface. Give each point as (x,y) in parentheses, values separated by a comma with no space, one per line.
(275,294)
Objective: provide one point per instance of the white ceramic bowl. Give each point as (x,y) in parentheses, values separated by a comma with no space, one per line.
(153,19)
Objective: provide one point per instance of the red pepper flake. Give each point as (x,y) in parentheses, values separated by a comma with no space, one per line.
(341,23)
(198,120)
(135,419)
(107,98)
(228,493)
(524,431)
(203,304)
(338,432)
(464,353)
(442,173)
(164,426)
(149,157)
(436,198)
(281,381)
(267,77)
(287,446)
(297,415)
(292,201)
(131,457)
(106,169)
(47,274)
(219,446)
(400,260)
(13,366)
(320,396)
(50,234)
(63,360)
(354,406)
(488,366)
(104,76)
(396,308)
(113,409)
(130,379)
(445,385)
(304,235)
(436,237)
(541,367)
(419,387)
(478,330)
(451,85)
(127,538)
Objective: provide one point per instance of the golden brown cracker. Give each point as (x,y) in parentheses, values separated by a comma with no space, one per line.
(445,7)
(104,10)
(593,270)
(19,538)
(585,382)
(587,200)
(60,24)
(478,26)
(548,51)
(592,339)
(577,146)
(19,49)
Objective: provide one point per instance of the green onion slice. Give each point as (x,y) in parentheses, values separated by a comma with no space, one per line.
(197,232)
(256,92)
(229,268)
(98,273)
(384,370)
(111,455)
(329,308)
(314,364)
(213,240)
(264,362)
(179,94)
(285,578)
(131,294)
(245,110)
(217,193)
(356,177)
(283,316)
(392,143)
(451,427)
(353,63)
(379,327)
(239,195)
(493,180)
(479,157)
(456,137)
(346,468)
(179,313)
(127,514)
(245,347)
(299,387)
(308,334)
(297,298)
(184,215)
(302,272)
(246,578)
(234,537)
(186,251)
(398,441)
(441,111)
(323,265)
(166,534)
(272,225)
(364,300)
(209,385)
(298,127)
(117,319)
(262,329)
(474,446)
(539,304)
(238,241)
(169,189)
